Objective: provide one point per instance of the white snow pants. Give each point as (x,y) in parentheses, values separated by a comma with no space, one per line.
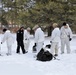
(26,45)
(39,46)
(9,49)
(65,41)
(54,47)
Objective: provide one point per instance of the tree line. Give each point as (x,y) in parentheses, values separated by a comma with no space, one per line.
(42,12)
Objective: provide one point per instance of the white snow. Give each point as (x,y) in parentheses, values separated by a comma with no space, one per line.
(27,65)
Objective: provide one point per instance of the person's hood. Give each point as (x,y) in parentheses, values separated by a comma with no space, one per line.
(8,31)
(67,25)
(35,27)
(56,28)
(64,28)
(38,28)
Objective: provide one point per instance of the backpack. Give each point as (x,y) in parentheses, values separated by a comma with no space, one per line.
(44,55)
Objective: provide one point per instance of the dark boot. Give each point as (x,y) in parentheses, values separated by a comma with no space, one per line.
(56,55)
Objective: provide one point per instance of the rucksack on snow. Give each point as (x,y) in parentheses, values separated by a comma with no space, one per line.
(44,55)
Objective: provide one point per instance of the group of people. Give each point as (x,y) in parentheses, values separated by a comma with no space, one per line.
(63,34)
(23,39)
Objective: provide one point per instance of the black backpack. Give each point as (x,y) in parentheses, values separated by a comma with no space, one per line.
(44,55)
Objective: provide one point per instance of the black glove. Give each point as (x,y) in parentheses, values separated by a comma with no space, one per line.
(50,41)
(1,42)
(34,48)
(70,39)
(35,45)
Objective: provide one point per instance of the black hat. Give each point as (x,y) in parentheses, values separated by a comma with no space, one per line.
(4,30)
(64,24)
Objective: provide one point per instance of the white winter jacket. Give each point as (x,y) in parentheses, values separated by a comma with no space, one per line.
(26,35)
(66,32)
(55,37)
(8,38)
(39,35)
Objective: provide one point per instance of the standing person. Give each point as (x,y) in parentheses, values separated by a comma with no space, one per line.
(55,38)
(20,38)
(66,37)
(39,38)
(9,40)
(27,38)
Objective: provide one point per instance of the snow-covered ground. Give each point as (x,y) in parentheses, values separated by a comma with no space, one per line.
(27,65)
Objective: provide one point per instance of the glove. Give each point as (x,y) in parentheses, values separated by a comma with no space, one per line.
(34,48)
(70,39)
(35,45)
(50,41)
(1,42)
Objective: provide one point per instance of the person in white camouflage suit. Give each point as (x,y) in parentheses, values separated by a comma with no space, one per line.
(66,37)
(9,40)
(27,38)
